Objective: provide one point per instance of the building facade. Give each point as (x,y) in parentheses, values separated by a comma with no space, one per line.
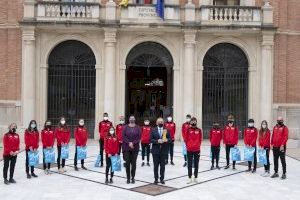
(207,58)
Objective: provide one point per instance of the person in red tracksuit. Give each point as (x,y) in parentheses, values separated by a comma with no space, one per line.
(111,146)
(215,137)
(119,130)
(104,126)
(145,141)
(11,148)
(250,137)
(62,134)
(278,142)
(48,138)
(184,128)
(81,136)
(264,142)
(31,138)
(171,126)
(230,138)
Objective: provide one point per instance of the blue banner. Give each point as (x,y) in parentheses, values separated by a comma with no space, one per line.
(33,158)
(249,153)
(115,163)
(49,155)
(97,162)
(160,8)
(65,152)
(235,154)
(262,156)
(81,152)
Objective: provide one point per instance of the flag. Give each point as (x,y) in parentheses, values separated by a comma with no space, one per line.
(160,8)
(124,3)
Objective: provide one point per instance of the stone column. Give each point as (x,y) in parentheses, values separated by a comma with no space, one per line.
(99,104)
(110,72)
(28,75)
(266,95)
(188,72)
(199,93)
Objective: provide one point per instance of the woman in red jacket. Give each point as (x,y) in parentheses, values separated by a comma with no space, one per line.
(215,137)
(145,141)
(193,141)
(250,137)
(111,146)
(48,138)
(264,141)
(230,138)
(62,134)
(31,138)
(11,145)
(81,136)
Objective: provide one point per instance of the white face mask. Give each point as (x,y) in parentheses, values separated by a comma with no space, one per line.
(63,122)
(264,126)
(121,121)
(146,123)
(251,124)
(105,118)
(188,119)
(81,123)
(33,126)
(111,132)
(169,119)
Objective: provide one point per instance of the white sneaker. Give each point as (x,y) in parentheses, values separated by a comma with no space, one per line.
(60,171)
(190,181)
(46,171)
(195,180)
(64,169)
(267,174)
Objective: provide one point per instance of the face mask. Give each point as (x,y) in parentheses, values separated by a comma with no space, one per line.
(81,123)
(111,132)
(250,124)
(132,121)
(105,118)
(169,119)
(193,124)
(280,123)
(146,123)
(63,122)
(121,121)
(188,119)
(13,130)
(215,126)
(32,126)
(160,125)
(264,126)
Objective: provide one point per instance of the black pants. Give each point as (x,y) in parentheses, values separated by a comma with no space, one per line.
(228,155)
(146,151)
(108,166)
(171,151)
(279,154)
(193,156)
(63,161)
(44,164)
(9,162)
(159,160)
(75,158)
(267,166)
(130,159)
(254,161)
(27,163)
(215,155)
(101,144)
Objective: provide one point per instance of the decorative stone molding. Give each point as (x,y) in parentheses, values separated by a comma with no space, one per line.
(190,36)
(267,38)
(267,10)
(190,12)
(110,35)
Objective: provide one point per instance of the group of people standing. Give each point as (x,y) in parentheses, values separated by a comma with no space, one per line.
(158,140)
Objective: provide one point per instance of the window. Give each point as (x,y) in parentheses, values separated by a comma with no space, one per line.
(227,2)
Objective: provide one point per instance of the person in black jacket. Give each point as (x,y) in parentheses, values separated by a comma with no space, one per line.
(160,139)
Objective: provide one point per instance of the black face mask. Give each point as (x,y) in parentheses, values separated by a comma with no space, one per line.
(193,124)
(160,125)
(216,126)
(13,130)
(280,123)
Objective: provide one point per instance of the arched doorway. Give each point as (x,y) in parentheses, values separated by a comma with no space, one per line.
(149,89)
(225,85)
(71,84)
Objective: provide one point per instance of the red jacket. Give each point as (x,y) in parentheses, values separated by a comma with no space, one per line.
(146,131)
(11,142)
(193,139)
(103,128)
(111,145)
(119,131)
(279,136)
(171,126)
(250,136)
(48,138)
(184,128)
(265,140)
(215,137)
(231,135)
(62,135)
(31,139)
(81,136)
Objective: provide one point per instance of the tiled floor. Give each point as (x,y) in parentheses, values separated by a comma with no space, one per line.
(215,184)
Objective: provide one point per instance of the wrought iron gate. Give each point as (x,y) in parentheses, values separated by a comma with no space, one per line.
(225,86)
(71,84)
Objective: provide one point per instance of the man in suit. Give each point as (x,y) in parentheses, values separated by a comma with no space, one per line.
(160,139)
